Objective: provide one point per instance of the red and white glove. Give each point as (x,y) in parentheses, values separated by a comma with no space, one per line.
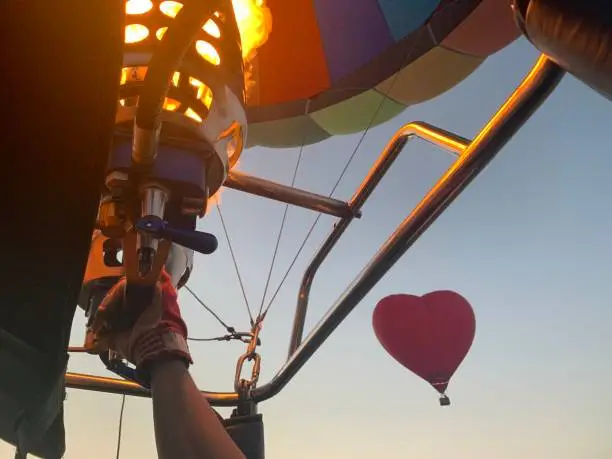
(156,333)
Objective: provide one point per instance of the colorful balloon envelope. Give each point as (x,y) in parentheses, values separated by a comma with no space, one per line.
(430,335)
(329,66)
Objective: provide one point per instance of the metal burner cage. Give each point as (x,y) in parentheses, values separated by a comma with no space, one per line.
(204,103)
(180,126)
(472,157)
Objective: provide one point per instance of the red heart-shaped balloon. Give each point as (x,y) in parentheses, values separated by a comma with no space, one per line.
(429,335)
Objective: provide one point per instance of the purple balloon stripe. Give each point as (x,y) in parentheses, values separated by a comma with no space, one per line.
(353,32)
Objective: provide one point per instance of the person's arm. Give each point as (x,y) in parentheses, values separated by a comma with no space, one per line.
(186,427)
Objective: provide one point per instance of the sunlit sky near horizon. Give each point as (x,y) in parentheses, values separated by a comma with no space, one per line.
(527,244)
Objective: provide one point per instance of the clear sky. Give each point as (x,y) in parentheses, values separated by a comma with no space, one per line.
(528,244)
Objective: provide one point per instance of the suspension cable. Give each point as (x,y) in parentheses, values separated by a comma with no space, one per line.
(293,261)
(280,232)
(120,429)
(231,335)
(213,313)
(261,314)
(229,243)
(333,190)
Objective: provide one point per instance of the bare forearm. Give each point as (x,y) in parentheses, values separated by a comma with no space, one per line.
(186,427)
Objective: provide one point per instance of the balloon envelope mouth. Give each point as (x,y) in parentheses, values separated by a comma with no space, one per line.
(440,384)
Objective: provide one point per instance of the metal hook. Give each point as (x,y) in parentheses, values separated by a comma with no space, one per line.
(244,386)
(241,385)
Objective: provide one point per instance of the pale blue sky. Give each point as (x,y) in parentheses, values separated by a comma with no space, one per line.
(528,244)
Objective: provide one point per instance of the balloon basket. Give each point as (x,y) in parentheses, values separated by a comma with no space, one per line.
(444,400)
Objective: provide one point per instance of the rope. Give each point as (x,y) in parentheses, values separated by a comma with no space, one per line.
(213,313)
(333,190)
(280,233)
(261,314)
(231,335)
(119,431)
(219,338)
(312,227)
(229,243)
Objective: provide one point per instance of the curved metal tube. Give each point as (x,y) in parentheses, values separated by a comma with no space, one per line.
(519,107)
(267,189)
(122,386)
(524,101)
(165,61)
(448,141)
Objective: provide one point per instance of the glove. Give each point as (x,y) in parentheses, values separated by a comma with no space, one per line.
(145,333)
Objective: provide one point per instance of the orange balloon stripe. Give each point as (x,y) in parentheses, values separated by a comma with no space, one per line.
(291,65)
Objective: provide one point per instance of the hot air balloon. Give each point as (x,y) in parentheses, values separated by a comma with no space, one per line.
(329,66)
(162,88)
(429,335)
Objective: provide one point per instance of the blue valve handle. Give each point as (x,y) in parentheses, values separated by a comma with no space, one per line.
(199,241)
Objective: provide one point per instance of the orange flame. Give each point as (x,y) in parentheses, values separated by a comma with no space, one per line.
(254,23)
(253,17)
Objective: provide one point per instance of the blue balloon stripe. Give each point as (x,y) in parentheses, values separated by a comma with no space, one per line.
(405,16)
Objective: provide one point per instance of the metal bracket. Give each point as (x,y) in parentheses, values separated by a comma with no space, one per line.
(130,260)
(473,157)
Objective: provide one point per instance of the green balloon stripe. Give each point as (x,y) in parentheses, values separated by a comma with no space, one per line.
(285,133)
(434,73)
(355,114)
